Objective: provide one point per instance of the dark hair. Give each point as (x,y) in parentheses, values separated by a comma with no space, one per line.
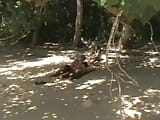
(83,57)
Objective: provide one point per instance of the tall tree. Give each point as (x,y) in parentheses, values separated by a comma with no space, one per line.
(142,10)
(78,24)
(41,5)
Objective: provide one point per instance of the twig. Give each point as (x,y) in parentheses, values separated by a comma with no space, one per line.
(114,75)
(9,37)
(128,82)
(119,87)
(110,88)
(134,82)
(119,98)
(21,37)
(112,35)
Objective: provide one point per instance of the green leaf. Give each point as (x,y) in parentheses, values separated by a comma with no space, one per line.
(113,2)
(148,13)
(103,2)
(142,10)
(109,2)
(134,9)
(154,3)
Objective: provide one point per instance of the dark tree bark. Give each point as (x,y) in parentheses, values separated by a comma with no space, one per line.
(78,24)
(37,28)
(41,4)
(128,32)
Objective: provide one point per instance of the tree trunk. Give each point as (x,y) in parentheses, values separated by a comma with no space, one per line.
(127,33)
(78,24)
(37,28)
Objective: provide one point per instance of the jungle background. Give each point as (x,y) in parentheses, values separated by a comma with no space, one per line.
(39,36)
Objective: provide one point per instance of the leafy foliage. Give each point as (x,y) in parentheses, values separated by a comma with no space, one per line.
(57,22)
(19,18)
(142,10)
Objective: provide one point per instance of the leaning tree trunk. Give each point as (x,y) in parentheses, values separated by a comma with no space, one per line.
(127,31)
(78,24)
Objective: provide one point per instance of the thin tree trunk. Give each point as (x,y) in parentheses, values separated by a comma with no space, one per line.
(127,28)
(37,28)
(127,33)
(78,24)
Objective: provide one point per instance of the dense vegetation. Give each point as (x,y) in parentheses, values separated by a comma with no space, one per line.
(39,21)
(37,77)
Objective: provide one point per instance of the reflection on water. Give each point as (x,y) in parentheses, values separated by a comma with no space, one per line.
(144,107)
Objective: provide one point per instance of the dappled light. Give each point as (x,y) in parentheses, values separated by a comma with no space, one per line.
(48,115)
(79,60)
(139,108)
(40,62)
(152,59)
(26,81)
(17,98)
(60,84)
(90,84)
(27,88)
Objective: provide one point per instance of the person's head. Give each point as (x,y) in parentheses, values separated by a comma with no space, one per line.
(83,58)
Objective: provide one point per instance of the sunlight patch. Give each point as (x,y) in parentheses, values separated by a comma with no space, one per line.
(46,61)
(17,99)
(139,107)
(21,65)
(128,111)
(39,74)
(61,84)
(90,84)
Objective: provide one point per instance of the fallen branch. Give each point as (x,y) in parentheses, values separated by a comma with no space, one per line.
(9,37)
